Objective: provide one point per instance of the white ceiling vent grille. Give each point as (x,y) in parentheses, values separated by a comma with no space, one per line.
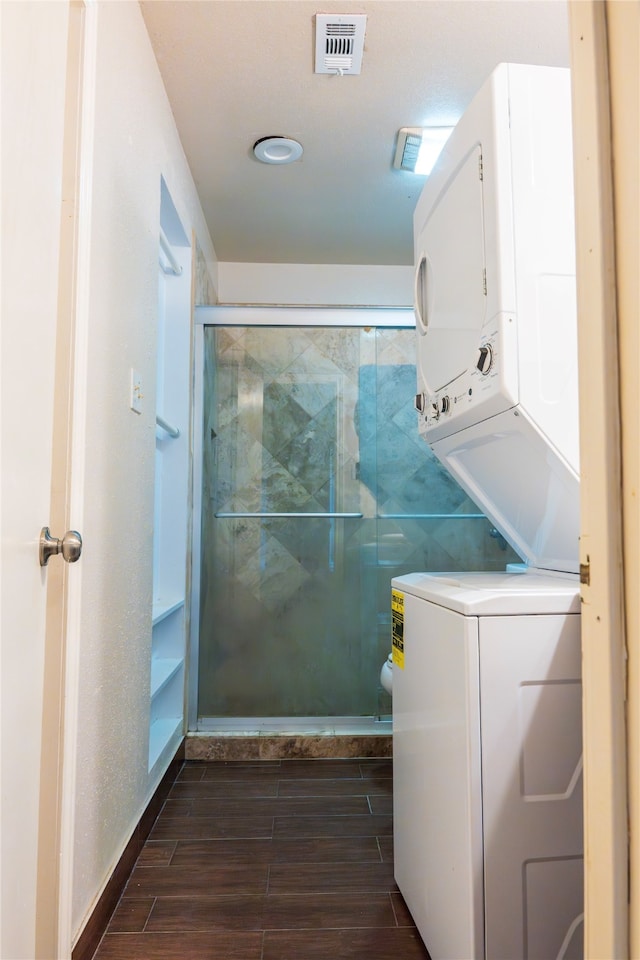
(339,42)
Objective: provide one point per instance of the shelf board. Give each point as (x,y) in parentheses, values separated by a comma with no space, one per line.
(164,608)
(163,670)
(161,733)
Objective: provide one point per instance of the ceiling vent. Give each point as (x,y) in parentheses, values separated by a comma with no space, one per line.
(339,43)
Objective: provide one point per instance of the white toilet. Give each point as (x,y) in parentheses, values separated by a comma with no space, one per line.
(386,674)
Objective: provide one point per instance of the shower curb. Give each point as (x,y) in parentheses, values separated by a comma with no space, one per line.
(303,747)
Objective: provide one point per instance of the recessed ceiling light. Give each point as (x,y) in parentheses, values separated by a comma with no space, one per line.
(277,150)
(418,148)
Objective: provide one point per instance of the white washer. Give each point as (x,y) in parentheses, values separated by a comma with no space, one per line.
(487,764)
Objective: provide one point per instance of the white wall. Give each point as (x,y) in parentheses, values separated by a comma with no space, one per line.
(302,284)
(135,143)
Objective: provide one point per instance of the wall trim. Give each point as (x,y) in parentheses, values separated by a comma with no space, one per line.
(97,923)
(288,316)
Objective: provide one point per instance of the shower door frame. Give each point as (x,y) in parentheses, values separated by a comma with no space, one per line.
(229,316)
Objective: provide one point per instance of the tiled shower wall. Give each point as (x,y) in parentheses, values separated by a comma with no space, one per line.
(295,609)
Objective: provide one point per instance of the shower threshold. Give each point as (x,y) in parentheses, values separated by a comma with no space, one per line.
(294,726)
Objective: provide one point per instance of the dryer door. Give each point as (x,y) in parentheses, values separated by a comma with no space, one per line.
(450,282)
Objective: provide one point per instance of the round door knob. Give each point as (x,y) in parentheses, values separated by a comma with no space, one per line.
(70,546)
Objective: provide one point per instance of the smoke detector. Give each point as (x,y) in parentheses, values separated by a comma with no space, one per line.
(339,43)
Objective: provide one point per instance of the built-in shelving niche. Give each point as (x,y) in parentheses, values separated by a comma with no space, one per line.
(170,543)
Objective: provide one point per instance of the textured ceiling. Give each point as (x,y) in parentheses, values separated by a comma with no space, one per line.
(238,70)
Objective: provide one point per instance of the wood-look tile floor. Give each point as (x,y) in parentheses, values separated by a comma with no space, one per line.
(268,860)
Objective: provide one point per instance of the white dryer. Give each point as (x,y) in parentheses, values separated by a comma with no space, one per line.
(486,674)
(496,311)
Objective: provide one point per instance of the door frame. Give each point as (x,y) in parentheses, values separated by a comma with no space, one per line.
(604,65)
(623,39)
(77,460)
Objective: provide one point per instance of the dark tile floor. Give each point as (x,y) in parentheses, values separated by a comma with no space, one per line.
(268,860)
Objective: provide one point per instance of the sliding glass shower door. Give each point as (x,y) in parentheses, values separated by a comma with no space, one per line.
(316,491)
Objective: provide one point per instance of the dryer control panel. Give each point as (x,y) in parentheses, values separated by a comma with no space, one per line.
(482,391)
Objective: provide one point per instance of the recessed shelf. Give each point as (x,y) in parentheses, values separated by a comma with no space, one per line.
(164,608)
(171,490)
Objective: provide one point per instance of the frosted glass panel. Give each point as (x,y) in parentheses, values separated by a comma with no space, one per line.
(317,490)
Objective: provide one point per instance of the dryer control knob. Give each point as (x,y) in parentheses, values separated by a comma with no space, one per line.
(485,359)
(445,404)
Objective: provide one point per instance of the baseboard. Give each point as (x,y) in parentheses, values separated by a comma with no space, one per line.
(97,924)
(273,747)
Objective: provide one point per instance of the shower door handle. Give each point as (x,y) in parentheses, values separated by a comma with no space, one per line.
(279,516)
(70,546)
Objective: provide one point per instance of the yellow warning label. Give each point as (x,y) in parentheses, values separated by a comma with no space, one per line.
(397,628)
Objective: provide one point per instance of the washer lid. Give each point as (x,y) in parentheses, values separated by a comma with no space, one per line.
(499,594)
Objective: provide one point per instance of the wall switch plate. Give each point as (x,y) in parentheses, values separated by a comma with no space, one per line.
(135,401)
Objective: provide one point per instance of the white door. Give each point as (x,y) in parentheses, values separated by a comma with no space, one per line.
(531,718)
(41,63)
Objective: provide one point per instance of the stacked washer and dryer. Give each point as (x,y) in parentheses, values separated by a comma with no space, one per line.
(486,666)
